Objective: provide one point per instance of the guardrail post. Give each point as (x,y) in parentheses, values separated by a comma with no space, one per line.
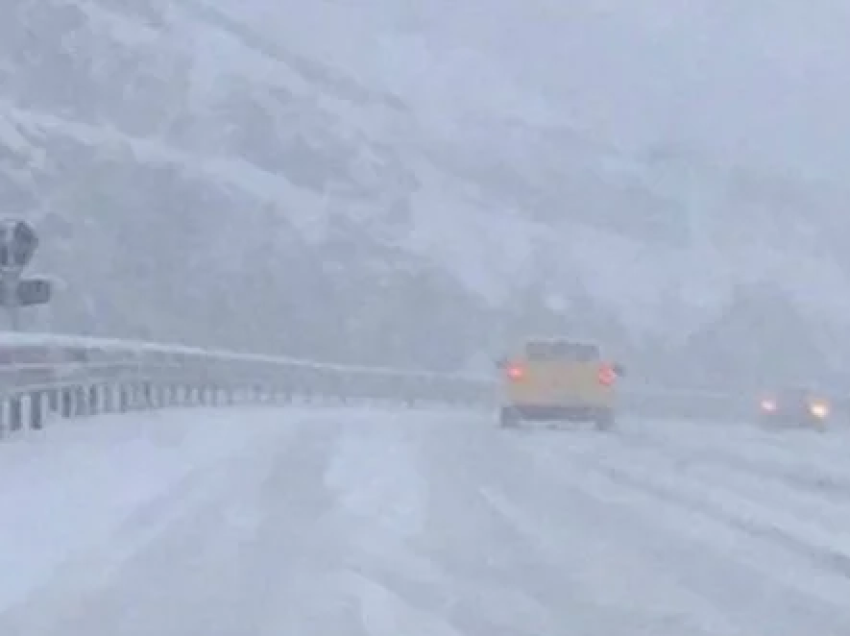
(74,401)
(66,405)
(110,399)
(37,410)
(16,414)
(147,395)
(169,396)
(80,401)
(94,405)
(123,398)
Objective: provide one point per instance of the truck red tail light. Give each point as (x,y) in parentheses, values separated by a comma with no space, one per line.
(607,376)
(515,372)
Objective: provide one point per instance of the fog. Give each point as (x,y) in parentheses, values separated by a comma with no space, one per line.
(415,184)
(424,185)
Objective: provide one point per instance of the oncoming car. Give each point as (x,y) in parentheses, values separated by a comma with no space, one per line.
(794,406)
(558,380)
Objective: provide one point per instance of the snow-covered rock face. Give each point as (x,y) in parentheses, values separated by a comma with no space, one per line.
(374,184)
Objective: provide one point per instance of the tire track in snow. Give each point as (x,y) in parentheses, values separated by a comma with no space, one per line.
(760,584)
(792,466)
(712,468)
(828,548)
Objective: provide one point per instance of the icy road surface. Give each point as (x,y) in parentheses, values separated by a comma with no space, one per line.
(389,523)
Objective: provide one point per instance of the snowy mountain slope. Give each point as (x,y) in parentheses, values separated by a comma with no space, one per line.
(755,80)
(188,167)
(200,210)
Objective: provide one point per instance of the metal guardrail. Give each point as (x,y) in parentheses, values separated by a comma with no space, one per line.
(48,375)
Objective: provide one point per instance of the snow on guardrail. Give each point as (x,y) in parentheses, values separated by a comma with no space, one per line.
(76,375)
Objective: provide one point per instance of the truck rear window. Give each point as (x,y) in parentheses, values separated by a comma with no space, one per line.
(561,352)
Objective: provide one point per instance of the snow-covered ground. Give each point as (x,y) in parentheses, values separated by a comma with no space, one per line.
(355,521)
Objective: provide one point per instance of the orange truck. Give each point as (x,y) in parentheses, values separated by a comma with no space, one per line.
(556,380)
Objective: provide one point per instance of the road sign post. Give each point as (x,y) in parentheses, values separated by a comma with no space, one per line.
(18,243)
(9,287)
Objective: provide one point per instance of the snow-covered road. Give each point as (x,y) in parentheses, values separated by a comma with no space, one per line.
(381,523)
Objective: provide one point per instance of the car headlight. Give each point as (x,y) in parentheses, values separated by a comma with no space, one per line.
(768,405)
(819,410)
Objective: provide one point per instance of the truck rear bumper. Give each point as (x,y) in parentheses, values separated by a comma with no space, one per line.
(582,413)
